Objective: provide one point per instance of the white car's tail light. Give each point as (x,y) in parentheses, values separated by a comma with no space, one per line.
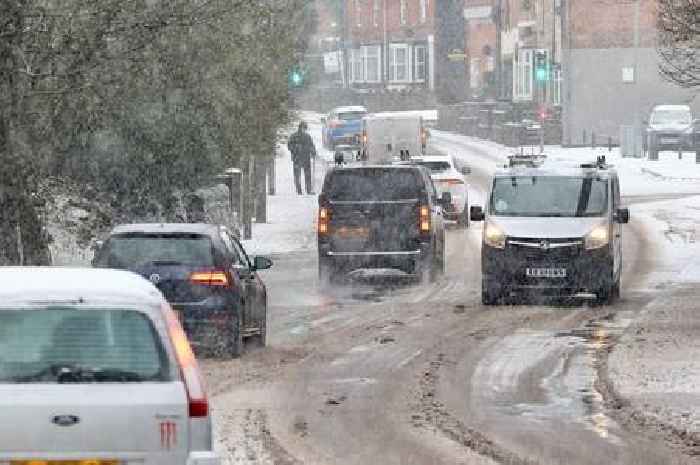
(189,369)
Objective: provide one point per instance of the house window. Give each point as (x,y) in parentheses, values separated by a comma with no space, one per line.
(399,66)
(556,86)
(375,12)
(404,11)
(475,73)
(366,64)
(522,85)
(420,61)
(423,10)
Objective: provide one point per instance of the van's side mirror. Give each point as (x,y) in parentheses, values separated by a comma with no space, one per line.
(446,199)
(339,158)
(622,215)
(262,263)
(466,170)
(476,213)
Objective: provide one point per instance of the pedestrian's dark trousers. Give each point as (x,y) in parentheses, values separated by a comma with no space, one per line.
(306,165)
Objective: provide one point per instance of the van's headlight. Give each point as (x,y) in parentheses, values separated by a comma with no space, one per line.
(494,237)
(597,238)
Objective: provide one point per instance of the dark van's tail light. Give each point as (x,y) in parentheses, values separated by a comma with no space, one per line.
(424,220)
(189,369)
(213,278)
(324,216)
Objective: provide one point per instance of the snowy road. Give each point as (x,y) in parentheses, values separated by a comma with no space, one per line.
(423,375)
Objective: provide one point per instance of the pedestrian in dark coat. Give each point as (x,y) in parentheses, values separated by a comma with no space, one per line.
(303,151)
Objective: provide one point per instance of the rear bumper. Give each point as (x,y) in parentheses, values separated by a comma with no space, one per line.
(203,322)
(404,260)
(203,458)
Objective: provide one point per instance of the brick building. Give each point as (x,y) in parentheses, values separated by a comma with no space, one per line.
(390,43)
(600,57)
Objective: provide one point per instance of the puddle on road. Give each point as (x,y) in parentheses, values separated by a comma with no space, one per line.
(577,375)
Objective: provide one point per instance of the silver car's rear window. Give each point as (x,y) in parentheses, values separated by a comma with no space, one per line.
(68,345)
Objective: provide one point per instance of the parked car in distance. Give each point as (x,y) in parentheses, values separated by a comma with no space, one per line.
(447,178)
(380,216)
(206,275)
(342,126)
(668,128)
(96,369)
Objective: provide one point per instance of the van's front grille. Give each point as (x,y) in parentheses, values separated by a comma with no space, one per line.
(546,251)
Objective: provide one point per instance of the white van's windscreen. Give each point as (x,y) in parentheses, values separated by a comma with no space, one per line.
(549,196)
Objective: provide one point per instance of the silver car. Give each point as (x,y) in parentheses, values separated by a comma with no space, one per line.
(96,369)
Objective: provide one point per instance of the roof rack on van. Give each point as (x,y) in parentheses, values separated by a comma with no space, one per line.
(529,161)
(599,164)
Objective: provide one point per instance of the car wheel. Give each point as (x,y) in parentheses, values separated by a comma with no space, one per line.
(230,340)
(653,152)
(327,273)
(463,220)
(260,339)
(490,293)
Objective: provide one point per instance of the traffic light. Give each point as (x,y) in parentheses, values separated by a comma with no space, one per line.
(297,76)
(541,66)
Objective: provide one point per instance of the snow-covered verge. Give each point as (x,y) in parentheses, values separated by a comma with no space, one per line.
(73,222)
(638,176)
(655,366)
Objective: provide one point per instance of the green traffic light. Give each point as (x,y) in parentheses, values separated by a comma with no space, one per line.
(542,74)
(296,78)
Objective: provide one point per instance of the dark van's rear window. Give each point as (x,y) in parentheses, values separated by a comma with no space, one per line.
(373,184)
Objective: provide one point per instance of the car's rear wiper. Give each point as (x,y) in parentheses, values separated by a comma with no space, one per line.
(65,373)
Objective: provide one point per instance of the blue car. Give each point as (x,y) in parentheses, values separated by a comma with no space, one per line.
(343,126)
(203,272)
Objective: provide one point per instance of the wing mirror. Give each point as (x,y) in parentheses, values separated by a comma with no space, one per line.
(476,213)
(622,215)
(262,263)
(466,170)
(339,158)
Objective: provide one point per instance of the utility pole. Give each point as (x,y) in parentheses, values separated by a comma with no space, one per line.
(497,59)
(343,43)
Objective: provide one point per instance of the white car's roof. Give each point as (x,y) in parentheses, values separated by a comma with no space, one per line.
(672,108)
(87,285)
(351,109)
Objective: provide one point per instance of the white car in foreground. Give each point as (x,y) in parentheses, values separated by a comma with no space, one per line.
(447,178)
(96,369)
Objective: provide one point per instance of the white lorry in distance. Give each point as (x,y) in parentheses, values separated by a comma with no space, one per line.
(388,137)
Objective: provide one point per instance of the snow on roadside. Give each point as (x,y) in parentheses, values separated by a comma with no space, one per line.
(656,363)
(638,176)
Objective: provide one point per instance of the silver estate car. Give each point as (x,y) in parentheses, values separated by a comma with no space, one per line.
(96,369)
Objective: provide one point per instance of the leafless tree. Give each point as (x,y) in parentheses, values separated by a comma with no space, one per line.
(679,41)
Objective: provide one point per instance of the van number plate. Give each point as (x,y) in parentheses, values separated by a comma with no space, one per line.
(546,272)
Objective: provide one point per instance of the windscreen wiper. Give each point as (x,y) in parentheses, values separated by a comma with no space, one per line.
(66,373)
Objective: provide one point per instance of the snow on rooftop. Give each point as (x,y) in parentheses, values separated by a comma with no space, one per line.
(42,284)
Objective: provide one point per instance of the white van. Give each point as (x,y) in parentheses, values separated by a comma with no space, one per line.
(388,137)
